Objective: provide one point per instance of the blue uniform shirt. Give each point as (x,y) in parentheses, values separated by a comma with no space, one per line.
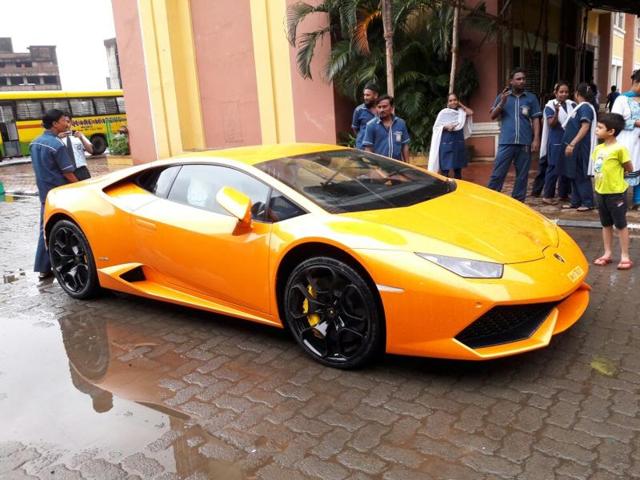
(50,160)
(517,113)
(361,116)
(583,115)
(386,142)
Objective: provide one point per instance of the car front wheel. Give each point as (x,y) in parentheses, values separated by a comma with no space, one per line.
(333,313)
(72,261)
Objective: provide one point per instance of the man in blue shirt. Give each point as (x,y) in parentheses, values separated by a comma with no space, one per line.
(519,113)
(387,134)
(52,168)
(364,113)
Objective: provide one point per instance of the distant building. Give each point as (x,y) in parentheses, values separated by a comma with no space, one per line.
(33,70)
(113,80)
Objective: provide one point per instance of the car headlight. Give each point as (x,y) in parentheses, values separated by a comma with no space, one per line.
(465,267)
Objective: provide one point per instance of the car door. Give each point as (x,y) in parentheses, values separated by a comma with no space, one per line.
(192,242)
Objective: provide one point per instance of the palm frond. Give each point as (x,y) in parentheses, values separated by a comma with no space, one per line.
(306,47)
(361,30)
(296,13)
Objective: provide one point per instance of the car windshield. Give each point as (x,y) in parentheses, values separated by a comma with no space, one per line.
(353,181)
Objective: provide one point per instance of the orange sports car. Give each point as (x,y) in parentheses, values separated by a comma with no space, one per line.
(353,252)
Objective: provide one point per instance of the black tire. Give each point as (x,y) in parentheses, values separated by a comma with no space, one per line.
(333,313)
(99,144)
(72,261)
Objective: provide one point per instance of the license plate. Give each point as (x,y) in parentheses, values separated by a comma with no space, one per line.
(575,274)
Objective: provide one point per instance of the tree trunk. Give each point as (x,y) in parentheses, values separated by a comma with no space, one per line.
(454,46)
(388,41)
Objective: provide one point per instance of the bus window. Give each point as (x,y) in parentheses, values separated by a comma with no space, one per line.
(59,104)
(121,108)
(105,105)
(29,109)
(81,107)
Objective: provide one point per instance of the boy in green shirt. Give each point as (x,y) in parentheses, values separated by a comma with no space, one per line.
(610,161)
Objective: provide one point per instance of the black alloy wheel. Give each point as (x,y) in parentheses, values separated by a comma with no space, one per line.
(99,144)
(72,261)
(333,313)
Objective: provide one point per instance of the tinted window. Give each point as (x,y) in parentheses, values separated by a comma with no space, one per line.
(106,106)
(352,180)
(281,208)
(29,109)
(81,107)
(120,102)
(198,185)
(158,181)
(60,104)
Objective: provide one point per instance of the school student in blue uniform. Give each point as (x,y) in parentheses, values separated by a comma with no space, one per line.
(579,142)
(519,114)
(364,112)
(556,113)
(52,168)
(387,134)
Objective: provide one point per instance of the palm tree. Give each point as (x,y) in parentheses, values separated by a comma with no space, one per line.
(421,36)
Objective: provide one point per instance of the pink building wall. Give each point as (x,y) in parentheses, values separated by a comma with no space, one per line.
(226,72)
(134,81)
(487,63)
(313,101)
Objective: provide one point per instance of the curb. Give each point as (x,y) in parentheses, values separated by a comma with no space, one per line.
(590,224)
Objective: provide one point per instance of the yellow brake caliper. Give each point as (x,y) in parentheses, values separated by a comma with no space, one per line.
(313,318)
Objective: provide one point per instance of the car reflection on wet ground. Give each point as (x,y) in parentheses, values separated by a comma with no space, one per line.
(122,387)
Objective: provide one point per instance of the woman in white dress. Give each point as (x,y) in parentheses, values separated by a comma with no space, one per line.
(628,105)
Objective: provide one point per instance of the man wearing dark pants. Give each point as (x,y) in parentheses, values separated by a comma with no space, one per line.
(52,168)
(519,113)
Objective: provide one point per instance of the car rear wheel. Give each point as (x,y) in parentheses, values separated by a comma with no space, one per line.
(333,313)
(72,261)
(99,144)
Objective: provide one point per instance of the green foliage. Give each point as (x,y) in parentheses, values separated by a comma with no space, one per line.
(119,145)
(422,43)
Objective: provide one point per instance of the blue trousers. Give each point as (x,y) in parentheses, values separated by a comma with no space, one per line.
(552,179)
(42,263)
(520,156)
(581,188)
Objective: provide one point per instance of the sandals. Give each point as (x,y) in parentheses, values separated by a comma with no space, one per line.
(549,201)
(602,261)
(583,209)
(568,206)
(625,264)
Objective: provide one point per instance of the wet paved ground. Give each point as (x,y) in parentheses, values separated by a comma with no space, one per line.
(122,387)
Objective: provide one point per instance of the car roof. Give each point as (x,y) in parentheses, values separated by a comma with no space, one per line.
(260,153)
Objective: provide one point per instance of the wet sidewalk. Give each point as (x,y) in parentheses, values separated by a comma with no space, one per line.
(18,178)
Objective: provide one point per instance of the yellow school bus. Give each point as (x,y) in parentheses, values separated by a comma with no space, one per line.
(94,113)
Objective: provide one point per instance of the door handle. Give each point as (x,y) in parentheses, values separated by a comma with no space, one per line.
(146,224)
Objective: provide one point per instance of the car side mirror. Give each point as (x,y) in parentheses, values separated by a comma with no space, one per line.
(236,203)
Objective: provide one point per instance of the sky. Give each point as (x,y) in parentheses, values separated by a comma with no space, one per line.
(78,28)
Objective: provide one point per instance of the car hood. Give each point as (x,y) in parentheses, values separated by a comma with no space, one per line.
(472,219)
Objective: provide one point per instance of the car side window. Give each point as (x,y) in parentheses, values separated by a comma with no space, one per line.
(159,180)
(198,185)
(281,208)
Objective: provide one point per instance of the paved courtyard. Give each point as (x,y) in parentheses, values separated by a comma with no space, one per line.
(122,387)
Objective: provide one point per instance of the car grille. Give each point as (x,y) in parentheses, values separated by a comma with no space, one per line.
(505,324)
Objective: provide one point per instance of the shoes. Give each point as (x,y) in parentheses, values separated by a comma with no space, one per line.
(45,275)
(583,209)
(549,201)
(625,264)
(602,261)
(567,206)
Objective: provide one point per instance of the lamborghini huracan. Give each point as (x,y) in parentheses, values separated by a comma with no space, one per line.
(354,253)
